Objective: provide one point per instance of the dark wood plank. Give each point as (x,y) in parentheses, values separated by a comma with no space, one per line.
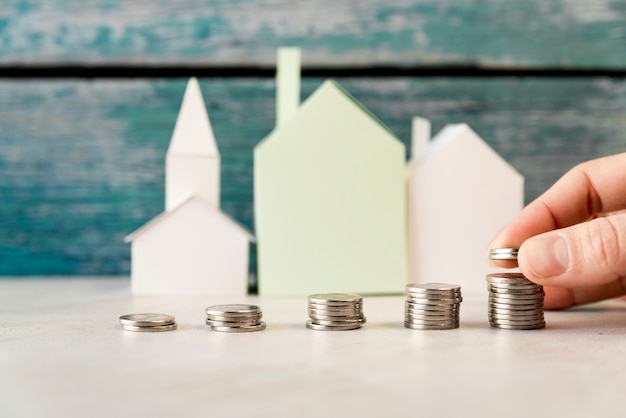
(81,162)
(536,33)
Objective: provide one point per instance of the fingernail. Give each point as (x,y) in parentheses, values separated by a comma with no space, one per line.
(545,256)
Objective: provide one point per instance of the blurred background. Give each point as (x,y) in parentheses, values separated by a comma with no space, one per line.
(90,91)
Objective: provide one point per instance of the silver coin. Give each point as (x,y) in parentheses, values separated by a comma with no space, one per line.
(337,323)
(527,317)
(433,295)
(231,323)
(519,327)
(257,314)
(435,300)
(516,312)
(520,285)
(336,318)
(528,323)
(232,309)
(317,327)
(503,253)
(146,319)
(430,327)
(435,307)
(428,310)
(427,321)
(246,328)
(516,296)
(516,307)
(507,278)
(432,287)
(325,298)
(515,301)
(431,303)
(431,314)
(350,311)
(533,292)
(158,328)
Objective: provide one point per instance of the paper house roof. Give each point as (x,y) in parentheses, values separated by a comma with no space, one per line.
(330,203)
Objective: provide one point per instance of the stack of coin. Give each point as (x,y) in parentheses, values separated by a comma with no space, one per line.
(335,312)
(234,318)
(515,302)
(148,322)
(432,306)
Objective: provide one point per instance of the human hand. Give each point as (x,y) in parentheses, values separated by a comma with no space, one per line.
(572,239)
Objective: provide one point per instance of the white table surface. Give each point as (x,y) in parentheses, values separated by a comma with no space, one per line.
(63,353)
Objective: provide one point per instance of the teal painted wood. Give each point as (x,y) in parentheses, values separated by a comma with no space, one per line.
(538,33)
(81,162)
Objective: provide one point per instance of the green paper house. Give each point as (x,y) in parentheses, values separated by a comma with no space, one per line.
(330,201)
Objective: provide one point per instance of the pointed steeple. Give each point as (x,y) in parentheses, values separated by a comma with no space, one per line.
(193,134)
(193,160)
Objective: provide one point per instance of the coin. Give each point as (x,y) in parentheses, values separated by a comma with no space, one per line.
(244,328)
(430,327)
(515,296)
(339,298)
(519,327)
(232,309)
(503,253)
(157,328)
(146,319)
(317,327)
(231,323)
(432,288)
(516,312)
(331,323)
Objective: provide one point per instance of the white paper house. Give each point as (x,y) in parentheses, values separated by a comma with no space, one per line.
(461,193)
(192,248)
(330,201)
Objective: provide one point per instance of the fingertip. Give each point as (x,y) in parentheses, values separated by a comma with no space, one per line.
(558,298)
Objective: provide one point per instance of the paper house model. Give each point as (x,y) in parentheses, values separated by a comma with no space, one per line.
(461,193)
(192,248)
(330,201)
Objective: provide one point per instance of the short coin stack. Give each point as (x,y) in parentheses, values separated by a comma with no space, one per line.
(335,312)
(515,302)
(148,322)
(432,306)
(234,318)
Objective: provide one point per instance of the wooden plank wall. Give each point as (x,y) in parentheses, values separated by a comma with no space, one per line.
(81,158)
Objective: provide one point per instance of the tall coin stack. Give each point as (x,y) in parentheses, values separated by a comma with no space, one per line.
(432,306)
(234,318)
(514,301)
(335,312)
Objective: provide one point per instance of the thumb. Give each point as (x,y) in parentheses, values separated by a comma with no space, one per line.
(585,254)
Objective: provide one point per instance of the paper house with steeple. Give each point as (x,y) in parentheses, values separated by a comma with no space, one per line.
(192,248)
(330,198)
(460,194)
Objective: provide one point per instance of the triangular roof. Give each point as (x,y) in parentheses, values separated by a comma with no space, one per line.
(162,217)
(330,93)
(454,132)
(193,135)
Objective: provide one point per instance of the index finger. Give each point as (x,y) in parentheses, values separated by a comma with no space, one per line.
(591,188)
